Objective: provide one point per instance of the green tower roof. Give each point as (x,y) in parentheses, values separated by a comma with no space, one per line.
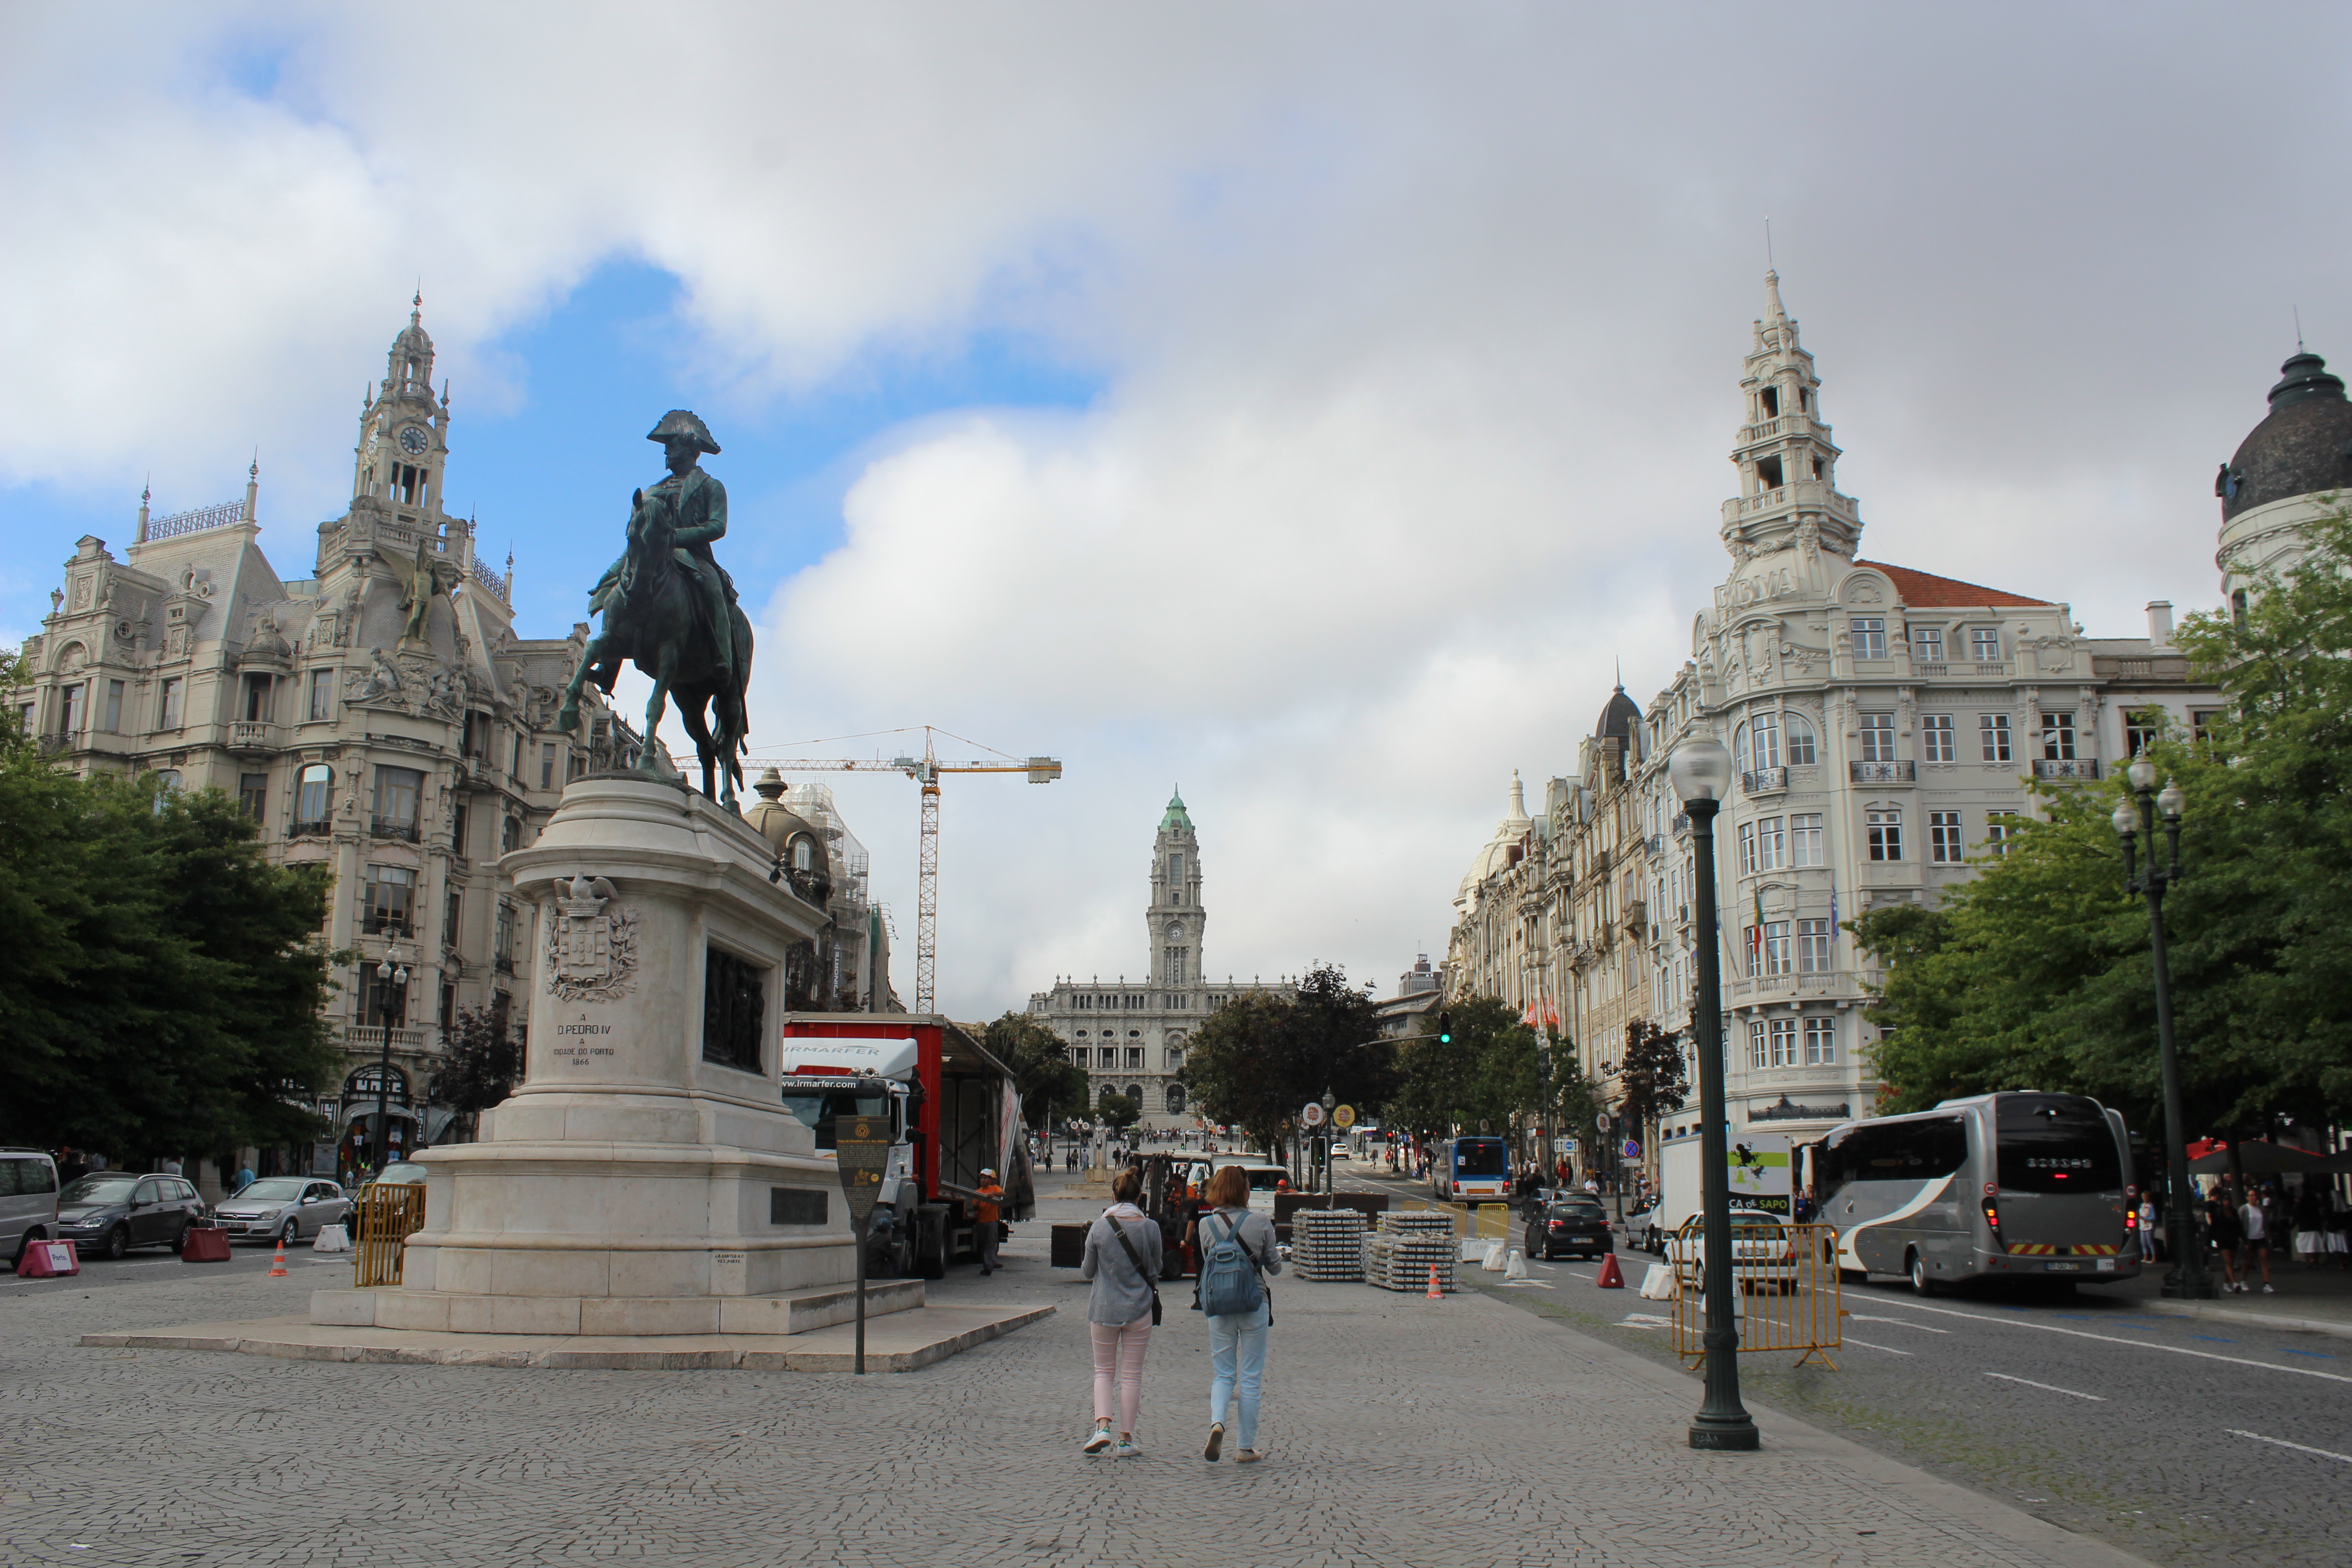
(1177,820)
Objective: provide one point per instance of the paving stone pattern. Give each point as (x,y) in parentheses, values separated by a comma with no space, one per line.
(1400,1430)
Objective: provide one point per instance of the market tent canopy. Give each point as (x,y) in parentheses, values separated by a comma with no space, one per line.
(2257,1158)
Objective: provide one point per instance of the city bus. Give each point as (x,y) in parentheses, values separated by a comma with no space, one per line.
(2010,1185)
(1470,1169)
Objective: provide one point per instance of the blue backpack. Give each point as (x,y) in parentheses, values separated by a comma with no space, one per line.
(1230,1285)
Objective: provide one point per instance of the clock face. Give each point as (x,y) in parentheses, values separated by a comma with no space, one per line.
(413,440)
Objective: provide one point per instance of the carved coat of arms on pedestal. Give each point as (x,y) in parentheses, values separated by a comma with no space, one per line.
(591,943)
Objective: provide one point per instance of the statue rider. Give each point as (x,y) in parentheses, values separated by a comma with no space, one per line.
(696,505)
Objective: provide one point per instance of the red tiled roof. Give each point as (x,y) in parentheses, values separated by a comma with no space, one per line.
(1925,591)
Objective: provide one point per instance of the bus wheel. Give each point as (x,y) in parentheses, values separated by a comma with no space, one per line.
(1920,1284)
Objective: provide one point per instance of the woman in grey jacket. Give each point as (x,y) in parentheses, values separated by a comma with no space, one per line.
(1237,1341)
(1122,1258)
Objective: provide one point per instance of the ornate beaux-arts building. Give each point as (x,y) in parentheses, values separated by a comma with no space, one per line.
(1883,722)
(379,716)
(1131,1035)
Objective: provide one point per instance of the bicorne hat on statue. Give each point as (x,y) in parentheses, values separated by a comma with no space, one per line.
(684,422)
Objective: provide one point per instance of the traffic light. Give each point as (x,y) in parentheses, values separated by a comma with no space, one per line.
(1445,1029)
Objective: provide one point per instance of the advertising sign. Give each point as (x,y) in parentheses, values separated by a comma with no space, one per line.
(863,1145)
(1758,1169)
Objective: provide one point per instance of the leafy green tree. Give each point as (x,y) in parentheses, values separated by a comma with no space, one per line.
(1118,1112)
(2039,974)
(164,980)
(1260,1057)
(1050,1083)
(1651,1078)
(1487,1070)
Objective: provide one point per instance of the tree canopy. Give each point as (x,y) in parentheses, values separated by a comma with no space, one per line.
(164,980)
(481,1058)
(1257,1061)
(2039,973)
(1049,1082)
(1493,1068)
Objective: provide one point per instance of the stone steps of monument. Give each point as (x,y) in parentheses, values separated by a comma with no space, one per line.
(786,1312)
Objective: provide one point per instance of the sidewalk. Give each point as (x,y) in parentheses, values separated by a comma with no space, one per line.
(2308,1301)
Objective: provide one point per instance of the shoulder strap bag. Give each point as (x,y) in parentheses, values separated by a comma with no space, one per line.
(1141,1272)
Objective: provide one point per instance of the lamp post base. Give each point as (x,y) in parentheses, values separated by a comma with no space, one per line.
(2197,1287)
(1739,1436)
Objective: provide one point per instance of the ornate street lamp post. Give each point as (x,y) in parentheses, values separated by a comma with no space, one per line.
(2187,1277)
(1701,770)
(394,975)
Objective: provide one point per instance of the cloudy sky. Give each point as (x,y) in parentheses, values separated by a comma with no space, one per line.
(1308,404)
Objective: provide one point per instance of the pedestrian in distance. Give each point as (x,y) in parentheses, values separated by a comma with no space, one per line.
(1237,1251)
(1122,1258)
(242,1180)
(987,1214)
(2147,1228)
(2222,1233)
(2254,1221)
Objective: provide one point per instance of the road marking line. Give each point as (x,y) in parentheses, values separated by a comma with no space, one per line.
(2298,1447)
(1898,1322)
(2052,1387)
(1866,1344)
(2136,1344)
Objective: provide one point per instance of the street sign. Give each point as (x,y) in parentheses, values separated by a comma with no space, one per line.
(1568,1145)
(1345,1117)
(1632,1150)
(1601,1122)
(1312,1116)
(861,1150)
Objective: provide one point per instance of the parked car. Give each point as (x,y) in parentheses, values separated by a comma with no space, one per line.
(1638,1231)
(111,1212)
(283,1208)
(28,1200)
(1577,1225)
(399,1173)
(1763,1254)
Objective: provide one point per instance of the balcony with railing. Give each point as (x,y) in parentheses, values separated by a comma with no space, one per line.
(503,963)
(1681,824)
(1764,780)
(1882,772)
(252,735)
(311,827)
(413,1041)
(2066,768)
(402,829)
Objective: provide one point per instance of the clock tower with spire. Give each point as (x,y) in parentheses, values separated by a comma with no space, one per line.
(404,431)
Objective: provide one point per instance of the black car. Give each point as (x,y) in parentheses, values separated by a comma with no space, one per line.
(111,1212)
(1577,1225)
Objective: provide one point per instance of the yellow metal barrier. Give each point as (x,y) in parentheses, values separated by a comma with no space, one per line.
(389,1212)
(1495,1221)
(1789,1295)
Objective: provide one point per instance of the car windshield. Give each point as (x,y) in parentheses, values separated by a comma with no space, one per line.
(1764,1222)
(1264,1178)
(278,1190)
(403,1174)
(113,1187)
(1583,1210)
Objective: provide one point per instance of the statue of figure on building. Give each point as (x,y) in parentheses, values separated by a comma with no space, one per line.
(419,581)
(669,608)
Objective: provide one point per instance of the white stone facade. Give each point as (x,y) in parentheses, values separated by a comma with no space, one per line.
(376,718)
(1131,1035)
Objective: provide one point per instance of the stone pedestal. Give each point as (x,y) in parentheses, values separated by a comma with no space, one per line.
(646,1178)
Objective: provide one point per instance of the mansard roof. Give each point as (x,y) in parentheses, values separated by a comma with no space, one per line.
(1925,591)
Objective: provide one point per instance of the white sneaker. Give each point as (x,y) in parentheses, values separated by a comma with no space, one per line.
(1099,1439)
(2268,1291)
(1126,1450)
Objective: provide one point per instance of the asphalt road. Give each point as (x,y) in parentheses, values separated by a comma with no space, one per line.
(149,1264)
(2183,1440)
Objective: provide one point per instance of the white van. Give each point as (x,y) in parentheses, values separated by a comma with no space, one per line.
(29,1201)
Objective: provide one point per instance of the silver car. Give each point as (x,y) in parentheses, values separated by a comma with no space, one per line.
(283,1208)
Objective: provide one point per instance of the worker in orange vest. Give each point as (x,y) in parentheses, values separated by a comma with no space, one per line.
(992,1196)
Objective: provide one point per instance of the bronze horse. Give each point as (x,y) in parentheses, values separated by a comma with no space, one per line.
(652,618)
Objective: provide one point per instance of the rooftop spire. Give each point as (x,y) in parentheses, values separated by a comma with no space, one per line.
(1772,308)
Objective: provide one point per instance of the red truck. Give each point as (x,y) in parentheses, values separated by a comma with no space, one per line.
(954,1112)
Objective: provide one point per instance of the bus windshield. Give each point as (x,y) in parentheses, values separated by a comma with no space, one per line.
(2056,1144)
(1481,1157)
(819,1108)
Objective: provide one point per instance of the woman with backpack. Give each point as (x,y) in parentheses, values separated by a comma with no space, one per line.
(1122,1258)
(1235,1247)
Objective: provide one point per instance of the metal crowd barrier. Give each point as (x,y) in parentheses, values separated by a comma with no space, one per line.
(1789,1295)
(1494,1222)
(389,1212)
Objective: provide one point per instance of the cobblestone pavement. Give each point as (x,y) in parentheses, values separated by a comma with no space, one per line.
(2180,1440)
(1466,1431)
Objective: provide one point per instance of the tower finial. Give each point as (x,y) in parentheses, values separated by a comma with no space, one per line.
(1773,308)
(2298,328)
(1621,672)
(416,305)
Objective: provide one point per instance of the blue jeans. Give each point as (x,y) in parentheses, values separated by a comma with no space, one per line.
(1237,1350)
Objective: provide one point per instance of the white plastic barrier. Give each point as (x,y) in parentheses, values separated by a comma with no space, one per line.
(1658,1283)
(1493,1263)
(331,1238)
(1516,1265)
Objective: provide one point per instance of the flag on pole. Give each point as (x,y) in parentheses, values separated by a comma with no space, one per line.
(1833,918)
(1756,933)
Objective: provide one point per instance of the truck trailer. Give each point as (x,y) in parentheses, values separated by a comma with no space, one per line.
(954,1111)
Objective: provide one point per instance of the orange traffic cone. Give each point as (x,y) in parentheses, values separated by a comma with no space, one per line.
(1434,1293)
(1611,1278)
(277,1264)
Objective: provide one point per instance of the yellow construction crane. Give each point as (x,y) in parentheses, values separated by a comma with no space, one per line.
(925,771)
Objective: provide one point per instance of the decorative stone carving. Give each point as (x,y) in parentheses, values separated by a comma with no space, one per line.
(591,943)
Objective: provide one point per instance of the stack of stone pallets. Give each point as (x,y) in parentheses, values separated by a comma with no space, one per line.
(1326,1244)
(1408,1245)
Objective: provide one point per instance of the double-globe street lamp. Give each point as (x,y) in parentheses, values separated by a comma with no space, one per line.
(1701,770)
(393,976)
(2187,1277)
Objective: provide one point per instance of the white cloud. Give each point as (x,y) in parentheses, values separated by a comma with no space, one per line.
(1421,330)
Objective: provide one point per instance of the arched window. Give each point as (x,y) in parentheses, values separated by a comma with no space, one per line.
(1135,1093)
(1802,752)
(1767,741)
(1740,763)
(314,798)
(801,856)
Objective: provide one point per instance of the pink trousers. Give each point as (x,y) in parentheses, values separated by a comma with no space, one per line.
(1118,1363)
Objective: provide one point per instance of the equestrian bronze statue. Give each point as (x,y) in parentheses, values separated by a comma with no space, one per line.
(668,606)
